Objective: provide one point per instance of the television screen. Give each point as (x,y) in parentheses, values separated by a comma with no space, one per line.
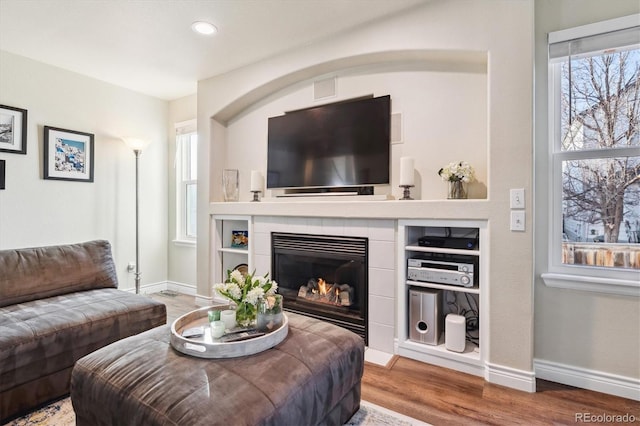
(343,144)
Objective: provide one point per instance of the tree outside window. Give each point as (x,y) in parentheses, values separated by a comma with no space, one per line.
(599,155)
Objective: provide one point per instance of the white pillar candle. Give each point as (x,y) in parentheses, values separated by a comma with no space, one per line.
(256,180)
(228,316)
(406,171)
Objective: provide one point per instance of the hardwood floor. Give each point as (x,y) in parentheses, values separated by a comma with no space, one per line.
(446,397)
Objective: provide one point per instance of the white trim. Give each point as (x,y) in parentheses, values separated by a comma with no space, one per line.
(182,288)
(185,243)
(510,377)
(595,28)
(612,384)
(592,284)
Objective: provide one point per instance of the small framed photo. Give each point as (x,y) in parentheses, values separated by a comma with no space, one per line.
(68,155)
(239,239)
(13,130)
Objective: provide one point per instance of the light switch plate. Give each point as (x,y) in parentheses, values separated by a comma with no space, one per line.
(516,198)
(517,220)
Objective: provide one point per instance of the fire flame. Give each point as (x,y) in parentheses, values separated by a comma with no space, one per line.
(322,286)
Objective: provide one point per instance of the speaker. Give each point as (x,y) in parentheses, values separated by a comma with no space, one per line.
(454,333)
(425,316)
(324,88)
(396,127)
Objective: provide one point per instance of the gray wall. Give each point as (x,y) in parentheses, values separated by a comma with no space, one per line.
(597,334)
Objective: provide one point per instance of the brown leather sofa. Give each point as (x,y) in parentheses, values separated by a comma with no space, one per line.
(58,304)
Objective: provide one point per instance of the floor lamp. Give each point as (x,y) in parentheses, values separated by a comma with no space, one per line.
(136,145)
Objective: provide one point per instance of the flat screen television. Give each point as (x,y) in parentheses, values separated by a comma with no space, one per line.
(339,145)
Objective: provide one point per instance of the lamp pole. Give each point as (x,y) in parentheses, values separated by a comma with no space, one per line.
(137,273)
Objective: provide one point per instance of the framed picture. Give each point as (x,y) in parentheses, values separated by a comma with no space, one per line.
(2,166)
(13,130)
(68,155)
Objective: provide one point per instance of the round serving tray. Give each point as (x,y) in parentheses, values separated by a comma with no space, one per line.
(207,347)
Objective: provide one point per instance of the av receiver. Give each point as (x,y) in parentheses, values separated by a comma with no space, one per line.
(443,269)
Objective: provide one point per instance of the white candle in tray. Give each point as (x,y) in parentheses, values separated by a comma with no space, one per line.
(406,171)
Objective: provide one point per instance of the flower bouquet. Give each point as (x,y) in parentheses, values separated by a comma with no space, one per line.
(458,175)
(246,291)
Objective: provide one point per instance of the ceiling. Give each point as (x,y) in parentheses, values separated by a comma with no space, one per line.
(148,45)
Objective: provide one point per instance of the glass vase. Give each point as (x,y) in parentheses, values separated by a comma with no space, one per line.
(457,190)
(270,315)
(230,184)
(245,314)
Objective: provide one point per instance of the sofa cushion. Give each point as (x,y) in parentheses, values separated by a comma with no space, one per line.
(35,273)
(41,337)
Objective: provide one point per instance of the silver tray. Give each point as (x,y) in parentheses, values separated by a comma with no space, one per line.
(207,347)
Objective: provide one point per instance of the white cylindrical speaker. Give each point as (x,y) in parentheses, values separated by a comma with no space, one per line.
(454,333)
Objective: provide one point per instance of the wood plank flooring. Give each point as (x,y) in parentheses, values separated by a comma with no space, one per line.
(446,397)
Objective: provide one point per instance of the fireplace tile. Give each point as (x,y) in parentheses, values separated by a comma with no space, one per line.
(382,282)
(381,337)
(382,254)
(382,230)
(381,310)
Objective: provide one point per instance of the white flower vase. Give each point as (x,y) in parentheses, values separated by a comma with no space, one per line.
(457,190)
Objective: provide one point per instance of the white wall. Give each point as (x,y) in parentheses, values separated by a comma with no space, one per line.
(597,335)
(499,30)
(182,257)
(35,212)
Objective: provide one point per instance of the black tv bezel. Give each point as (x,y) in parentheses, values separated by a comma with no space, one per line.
(363,188)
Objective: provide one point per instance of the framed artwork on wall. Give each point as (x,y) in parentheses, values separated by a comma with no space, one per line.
(2,168)
(68,155)
(13,129)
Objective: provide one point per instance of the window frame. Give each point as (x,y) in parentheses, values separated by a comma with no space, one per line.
(181,165)
(579,277)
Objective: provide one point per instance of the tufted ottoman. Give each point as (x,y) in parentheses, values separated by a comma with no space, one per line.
(312,377)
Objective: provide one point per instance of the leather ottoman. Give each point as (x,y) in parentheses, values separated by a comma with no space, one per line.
(312,377)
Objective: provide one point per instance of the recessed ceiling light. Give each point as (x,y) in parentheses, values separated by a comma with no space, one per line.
(205,28)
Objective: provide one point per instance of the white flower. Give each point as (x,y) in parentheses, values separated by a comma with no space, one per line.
(457,171)
(234,291)
(237,276)
(254,295)
(273,289)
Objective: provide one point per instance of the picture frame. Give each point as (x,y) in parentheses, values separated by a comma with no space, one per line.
(68,155)
(13,129)
(2,174)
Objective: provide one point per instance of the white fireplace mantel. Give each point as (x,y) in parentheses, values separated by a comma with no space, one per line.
(476,209)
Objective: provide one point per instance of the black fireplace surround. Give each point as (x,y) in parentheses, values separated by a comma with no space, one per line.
(317,262)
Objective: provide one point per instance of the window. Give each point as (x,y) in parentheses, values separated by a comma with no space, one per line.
(186,180)
(594,107)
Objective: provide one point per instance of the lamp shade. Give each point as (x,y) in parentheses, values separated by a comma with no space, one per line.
(136,144)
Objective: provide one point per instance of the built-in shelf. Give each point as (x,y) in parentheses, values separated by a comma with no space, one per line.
(471,360)
(242,251)
(227,257)
(472,290)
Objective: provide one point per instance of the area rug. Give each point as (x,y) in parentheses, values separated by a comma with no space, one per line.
(60,413)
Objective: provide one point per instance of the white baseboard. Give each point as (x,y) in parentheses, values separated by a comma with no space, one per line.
(188,289)
(510,377)
(626,387)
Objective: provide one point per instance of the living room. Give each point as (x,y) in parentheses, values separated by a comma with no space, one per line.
(429,59)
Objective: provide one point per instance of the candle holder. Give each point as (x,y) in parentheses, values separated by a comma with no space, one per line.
(406,194)
(256,197)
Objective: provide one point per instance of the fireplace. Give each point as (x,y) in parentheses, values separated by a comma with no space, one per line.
(323,277)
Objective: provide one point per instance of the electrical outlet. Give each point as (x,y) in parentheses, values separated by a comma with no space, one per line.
(517,220)
(131,267)
(516,197)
